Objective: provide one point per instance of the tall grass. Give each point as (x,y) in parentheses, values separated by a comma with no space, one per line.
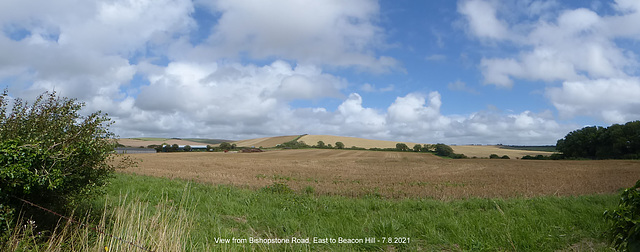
(176,215)
(129,224)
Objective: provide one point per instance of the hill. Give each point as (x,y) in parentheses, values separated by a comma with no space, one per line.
(265,142)
(351,141)
(270,142)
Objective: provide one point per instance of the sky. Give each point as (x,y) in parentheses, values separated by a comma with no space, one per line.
(458,72)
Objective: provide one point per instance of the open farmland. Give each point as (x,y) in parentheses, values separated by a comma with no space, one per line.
(483,151)
(394,174)
(351,141)
(265,142)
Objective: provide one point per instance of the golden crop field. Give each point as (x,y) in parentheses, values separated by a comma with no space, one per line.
(393,174)
(483,151)
(351,141)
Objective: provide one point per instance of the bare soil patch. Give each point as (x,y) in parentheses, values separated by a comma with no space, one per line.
(394,174)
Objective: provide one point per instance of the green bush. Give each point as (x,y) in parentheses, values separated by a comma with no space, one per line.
(494,156)
(278,187)
(51,155)
(625,220)
(443,150)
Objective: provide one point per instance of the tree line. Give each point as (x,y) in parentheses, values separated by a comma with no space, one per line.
(594,142)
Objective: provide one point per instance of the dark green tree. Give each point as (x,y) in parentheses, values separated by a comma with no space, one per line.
(417,148)
(339,145)
(321,144)
(443,150)
(402,147)
(225,146)
(615,141)
(187,148)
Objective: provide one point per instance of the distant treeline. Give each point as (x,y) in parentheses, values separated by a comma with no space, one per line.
(594,142)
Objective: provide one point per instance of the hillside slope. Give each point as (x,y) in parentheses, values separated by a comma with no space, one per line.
(351,141)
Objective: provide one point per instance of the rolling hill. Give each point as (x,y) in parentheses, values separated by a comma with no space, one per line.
(270,142)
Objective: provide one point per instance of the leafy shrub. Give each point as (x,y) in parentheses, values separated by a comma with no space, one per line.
(457,156)
(339,145)
(443,150)
(278,187)
(309,190)
(402,147)
(505,157)
(493,156)
(51,155)
(625,220)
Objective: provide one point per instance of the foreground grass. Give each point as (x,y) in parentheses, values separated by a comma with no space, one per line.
(223,212)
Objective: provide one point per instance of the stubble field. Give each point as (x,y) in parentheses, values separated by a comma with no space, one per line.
(393,174)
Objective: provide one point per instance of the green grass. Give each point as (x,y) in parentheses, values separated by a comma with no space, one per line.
(537,224)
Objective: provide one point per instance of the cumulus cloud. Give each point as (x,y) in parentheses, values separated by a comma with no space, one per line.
(482,19)
(135,60)
(611,100)
(335,32)
(576,47)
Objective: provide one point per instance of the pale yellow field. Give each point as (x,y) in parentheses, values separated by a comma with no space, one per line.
(351,141)
(485,151)
(265,142)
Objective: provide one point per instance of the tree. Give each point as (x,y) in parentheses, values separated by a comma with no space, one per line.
(321,144)
(339,145)
(494,156)
(52,155)
(209,147)
(225,146)
(443,150)
(175,147)
(615,141)
(187,148)
(402,146)
(417,148)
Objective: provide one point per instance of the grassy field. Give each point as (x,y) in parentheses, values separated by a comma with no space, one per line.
(320,200)
(217,213)
(394,174)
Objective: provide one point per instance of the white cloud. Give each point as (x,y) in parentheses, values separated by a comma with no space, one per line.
(611,100)
(482,19)
(92,50)
(577,47)
(334,32)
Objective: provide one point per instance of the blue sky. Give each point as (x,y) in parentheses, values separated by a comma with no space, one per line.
(458,72)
